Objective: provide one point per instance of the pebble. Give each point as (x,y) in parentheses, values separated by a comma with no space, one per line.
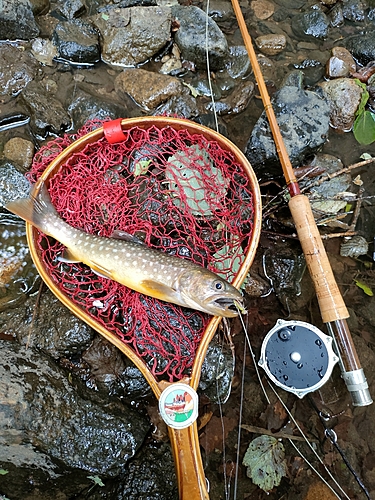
(20,151)
(340,64)
(263,9)
(271,44)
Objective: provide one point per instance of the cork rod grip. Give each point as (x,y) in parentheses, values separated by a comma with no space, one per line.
(332,306)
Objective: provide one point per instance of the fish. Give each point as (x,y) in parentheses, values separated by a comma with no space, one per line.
(124,259)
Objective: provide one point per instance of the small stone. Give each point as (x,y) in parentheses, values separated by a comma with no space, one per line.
(20,151)
(44,51)
(340,64)
(263,9)
(271,44)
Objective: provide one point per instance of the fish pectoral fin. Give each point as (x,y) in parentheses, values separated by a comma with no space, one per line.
(100,270)
(68,257)
(158,290)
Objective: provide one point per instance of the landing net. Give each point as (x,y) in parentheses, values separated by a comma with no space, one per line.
(177,192)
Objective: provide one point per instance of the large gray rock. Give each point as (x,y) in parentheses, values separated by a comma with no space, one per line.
(18,68)
(17,20)
(362,47)
(133,35)
(303,118)
(44,418)
(191,38)
(77,42)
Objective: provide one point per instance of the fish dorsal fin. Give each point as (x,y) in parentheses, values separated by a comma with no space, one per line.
(158,290)
(123,235)
(68,257)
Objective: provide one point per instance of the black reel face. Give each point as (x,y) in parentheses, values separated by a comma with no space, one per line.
(297,356)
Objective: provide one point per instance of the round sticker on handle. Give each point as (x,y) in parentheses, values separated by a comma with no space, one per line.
(178,405)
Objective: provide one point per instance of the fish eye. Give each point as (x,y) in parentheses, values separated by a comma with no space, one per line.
(219,285)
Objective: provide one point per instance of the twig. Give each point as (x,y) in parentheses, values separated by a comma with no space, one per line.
(344,171)
(277,435)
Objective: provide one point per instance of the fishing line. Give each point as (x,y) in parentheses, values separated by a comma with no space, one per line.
(209,71)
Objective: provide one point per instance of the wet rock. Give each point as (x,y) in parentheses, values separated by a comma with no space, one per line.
(53,330)
(340,64)
(13,184)
(263,9)
(86,105)
(336,16)
(238,64)
(313,23)
(132,36)
(112,372)
(236,102)
(148,89)
(325,197)
(191,38)
(354,247)
(39,7)
(219,10)
(149,476)
(172,64)
(303,118)
(70,8)
(47,113)
(57,421)
(344,96)
(184,106)
(44,51)
(17,20)
(18,68)
(354,10)
(217,373)
(77,42)
(271,45)
(362,47)
(21,151)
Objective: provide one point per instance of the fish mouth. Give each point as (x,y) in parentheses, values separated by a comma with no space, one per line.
(229,306)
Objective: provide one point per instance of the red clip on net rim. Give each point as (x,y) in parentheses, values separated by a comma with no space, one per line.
(58,172)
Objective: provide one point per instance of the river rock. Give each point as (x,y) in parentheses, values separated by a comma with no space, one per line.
(312,23)
(263,9)
(344,96)
(54,330)
(271,45)
(236,102)
(340,64)
(133,35)
(77,42)
(44,50)
(18,68)
(20,151)
(362,47)
(238,64)
(40,7)
(336,16)
(85,106)
(148,89)
(47,113)
(17,20)
(58,422)
(191,38)
(303,118)
(13,184)
(354,10)
(70,8)
(183,106)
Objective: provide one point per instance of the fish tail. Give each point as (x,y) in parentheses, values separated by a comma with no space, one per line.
(37,210)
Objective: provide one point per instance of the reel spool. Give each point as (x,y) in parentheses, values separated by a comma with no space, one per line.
(297,357)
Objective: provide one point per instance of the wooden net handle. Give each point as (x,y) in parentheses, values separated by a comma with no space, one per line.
(331,303)
(189,468)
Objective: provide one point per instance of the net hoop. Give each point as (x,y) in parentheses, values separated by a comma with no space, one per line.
(145,123)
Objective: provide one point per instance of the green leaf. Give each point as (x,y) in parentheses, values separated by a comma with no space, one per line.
(105,17)
(364,97)
(366,156)
(3,472)
(96,480)
(141,167)
(265,460)
(364,287)
(364,128)
(188,186)
(194,91)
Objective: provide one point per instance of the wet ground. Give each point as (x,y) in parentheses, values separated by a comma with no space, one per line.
(222,450)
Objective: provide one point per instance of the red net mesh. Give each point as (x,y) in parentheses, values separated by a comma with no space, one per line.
(179,193)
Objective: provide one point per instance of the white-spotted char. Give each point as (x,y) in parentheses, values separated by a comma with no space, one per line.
(133,264)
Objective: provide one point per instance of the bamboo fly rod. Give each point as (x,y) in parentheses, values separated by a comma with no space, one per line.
(332,307)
